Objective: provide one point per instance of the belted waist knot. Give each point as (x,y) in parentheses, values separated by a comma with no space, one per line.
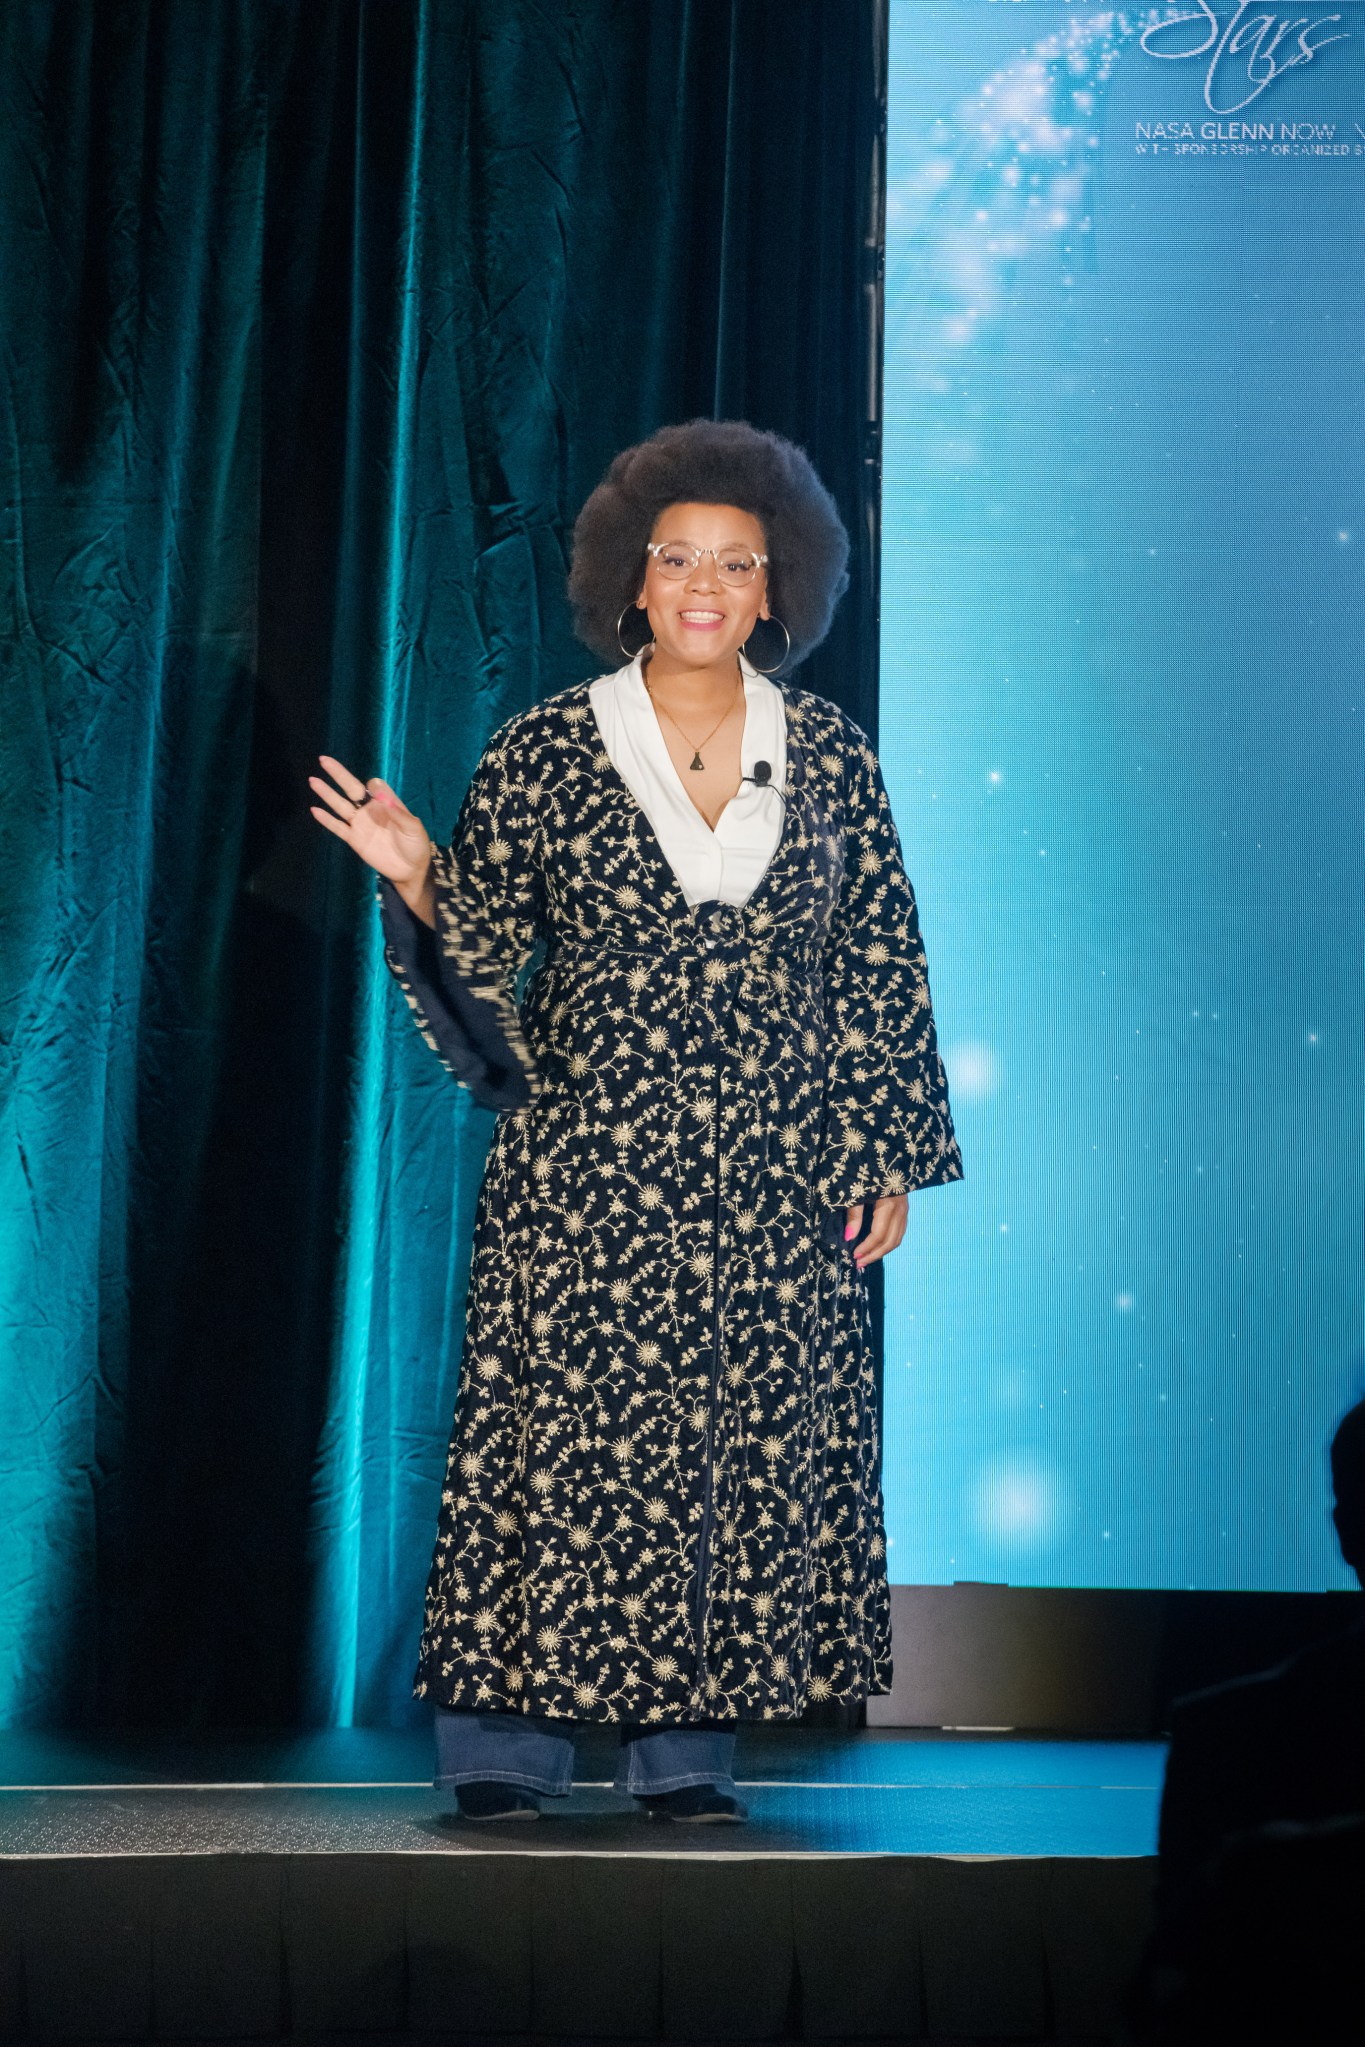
(721,932)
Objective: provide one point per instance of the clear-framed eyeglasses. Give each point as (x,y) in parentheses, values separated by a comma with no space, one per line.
(676,560)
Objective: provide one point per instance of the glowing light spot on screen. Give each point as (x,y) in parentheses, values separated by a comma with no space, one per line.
(1017,1503)
(1124,1303)
(1344,536)
(973,1071)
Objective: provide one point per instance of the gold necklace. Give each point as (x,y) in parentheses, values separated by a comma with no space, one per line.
(696,745)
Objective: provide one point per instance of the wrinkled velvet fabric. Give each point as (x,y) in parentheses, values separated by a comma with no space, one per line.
(320,322)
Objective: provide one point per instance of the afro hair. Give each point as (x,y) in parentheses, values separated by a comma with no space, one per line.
(711,462)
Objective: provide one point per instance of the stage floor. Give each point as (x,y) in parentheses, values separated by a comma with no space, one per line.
(890,1885)
(875,1793)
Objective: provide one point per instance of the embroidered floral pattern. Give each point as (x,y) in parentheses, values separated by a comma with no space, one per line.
(663,1496)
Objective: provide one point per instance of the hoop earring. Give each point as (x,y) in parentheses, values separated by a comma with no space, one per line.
(777,664)
(630,654)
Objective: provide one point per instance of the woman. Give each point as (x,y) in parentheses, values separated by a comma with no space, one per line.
(663,1503)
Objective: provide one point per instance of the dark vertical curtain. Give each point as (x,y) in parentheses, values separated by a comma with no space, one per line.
(320,321)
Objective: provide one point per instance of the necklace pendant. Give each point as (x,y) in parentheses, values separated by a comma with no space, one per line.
(696,762)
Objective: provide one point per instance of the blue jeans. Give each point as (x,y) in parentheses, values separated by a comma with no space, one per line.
(537,1754)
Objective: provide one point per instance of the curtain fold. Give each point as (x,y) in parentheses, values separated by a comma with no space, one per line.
(320,321)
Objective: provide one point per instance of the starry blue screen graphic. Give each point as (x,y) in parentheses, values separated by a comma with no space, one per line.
(1121,727)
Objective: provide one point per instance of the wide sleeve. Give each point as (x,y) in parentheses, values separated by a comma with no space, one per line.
(887,1127)
(459,980)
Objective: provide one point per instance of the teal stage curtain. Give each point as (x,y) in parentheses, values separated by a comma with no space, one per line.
(319,323)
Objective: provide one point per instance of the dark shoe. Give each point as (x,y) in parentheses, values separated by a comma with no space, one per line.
(490,1801)
(696,1802)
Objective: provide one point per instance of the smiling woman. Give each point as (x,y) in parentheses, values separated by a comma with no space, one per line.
(663,1501)
(703,596)
(721,466)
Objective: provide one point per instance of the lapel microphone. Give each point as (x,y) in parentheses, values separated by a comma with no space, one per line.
(762,777)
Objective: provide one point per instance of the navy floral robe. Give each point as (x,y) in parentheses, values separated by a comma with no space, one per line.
(663,1497)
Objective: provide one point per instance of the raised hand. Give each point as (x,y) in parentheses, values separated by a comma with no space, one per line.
(385,833)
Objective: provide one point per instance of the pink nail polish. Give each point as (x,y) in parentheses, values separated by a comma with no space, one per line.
(848,1232)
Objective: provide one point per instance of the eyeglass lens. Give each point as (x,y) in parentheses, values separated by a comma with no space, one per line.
(677,559)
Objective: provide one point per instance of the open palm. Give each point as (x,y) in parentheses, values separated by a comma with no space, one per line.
(385,833)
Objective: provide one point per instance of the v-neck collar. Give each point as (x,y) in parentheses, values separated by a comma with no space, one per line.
(671,886)
(658,745)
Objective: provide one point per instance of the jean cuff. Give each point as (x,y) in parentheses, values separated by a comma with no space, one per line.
(653,1787)
(502,1748)
(671,1759)
(525,1780)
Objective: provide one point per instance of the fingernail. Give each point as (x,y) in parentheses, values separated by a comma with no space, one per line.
(848,1232)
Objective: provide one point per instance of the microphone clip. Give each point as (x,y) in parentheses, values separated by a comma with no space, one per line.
(762,778)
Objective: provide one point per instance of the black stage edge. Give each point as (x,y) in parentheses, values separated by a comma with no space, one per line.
(889,1887)
(1084,1661)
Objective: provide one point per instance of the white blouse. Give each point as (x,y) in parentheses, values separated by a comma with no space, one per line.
(726,864)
